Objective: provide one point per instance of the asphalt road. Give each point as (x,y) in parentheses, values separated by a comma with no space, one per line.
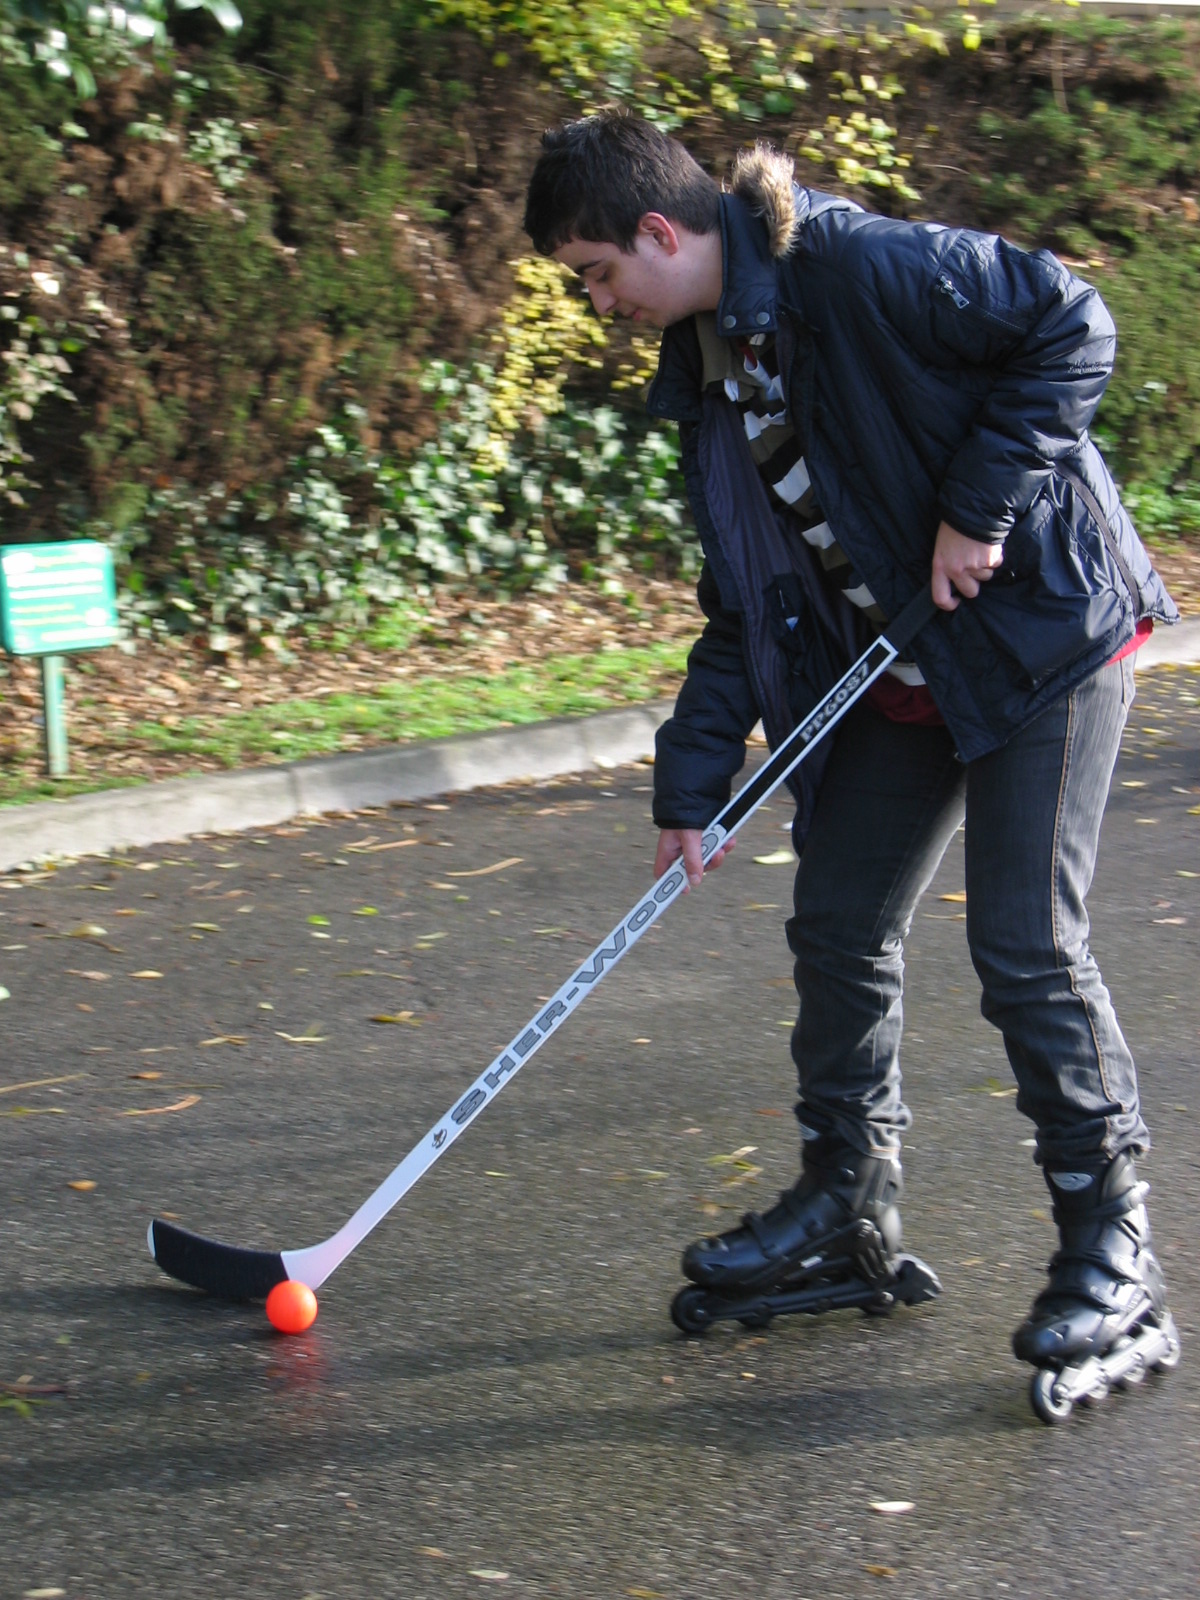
(493,1398)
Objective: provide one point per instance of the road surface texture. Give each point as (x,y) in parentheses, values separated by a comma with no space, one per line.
(247,1032)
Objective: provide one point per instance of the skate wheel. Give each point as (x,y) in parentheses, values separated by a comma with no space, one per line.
(1097,1395)
(881,1306)
(1045,1401)
(1169,1360)
(689,1312)
(1131,1379)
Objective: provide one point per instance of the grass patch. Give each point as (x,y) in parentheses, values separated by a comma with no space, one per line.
(397,712)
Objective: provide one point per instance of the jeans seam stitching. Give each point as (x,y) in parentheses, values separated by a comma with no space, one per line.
(1056,905)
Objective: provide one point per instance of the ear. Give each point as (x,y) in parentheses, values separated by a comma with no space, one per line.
(655,228)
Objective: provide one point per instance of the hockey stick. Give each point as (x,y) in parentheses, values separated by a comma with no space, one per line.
(235,1273)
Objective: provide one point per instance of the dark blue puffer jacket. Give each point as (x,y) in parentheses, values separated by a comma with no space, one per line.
(932,374)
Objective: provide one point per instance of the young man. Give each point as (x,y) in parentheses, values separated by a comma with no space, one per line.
(868,406)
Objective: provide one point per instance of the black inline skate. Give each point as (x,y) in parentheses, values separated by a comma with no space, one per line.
(1102,1321)
(831,1241)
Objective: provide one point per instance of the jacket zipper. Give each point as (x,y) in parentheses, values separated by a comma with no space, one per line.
(945,285)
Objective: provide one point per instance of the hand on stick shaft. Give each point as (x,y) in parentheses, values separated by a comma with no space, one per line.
(685,842)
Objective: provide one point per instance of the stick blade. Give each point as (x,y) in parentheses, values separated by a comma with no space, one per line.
(225,1270)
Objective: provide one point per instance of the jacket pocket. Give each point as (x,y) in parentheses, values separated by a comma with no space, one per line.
(968,330)
(813,658)
(1059,592)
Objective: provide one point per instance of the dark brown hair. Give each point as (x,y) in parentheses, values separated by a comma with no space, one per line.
(598,177)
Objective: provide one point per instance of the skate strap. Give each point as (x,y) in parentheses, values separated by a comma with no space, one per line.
(1068,1212)
(1101,1280)
(754,1224)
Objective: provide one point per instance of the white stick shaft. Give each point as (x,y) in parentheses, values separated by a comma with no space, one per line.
(314,1264)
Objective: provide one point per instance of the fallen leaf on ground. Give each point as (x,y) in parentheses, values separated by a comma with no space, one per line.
(958,897)
(40,1083)
(745,1172)
(488,1574)
(149,1077)
(483,872)
(224,1038)
(302,1038)
(370,849)
(34,1111)
(397,1016)
(87,930)
(777,858)
(92,977)
(83,1185)
(738,1155)
(891,1508)
(878,1570)
(366,911)
(206,927)
(430,1549)
(158,1111)
(146,972)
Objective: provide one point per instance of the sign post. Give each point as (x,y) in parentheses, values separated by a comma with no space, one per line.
(56,598)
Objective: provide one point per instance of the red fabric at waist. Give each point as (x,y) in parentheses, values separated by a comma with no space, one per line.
(903,702)
(1144,629)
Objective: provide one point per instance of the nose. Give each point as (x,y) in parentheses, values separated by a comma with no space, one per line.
(602,299)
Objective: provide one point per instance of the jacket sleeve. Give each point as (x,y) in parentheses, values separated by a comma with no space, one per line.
(703,744)
(1043,336)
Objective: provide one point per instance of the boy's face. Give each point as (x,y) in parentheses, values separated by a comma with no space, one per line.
(649,283)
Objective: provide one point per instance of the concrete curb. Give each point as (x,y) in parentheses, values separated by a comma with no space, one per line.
(262,797)
(1171,647)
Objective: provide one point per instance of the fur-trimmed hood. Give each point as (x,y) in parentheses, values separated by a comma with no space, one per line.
(765,179)
(763,215)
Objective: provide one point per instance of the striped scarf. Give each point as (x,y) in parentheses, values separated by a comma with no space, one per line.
(748,372)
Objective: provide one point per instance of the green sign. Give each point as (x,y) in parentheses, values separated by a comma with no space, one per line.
(55,598)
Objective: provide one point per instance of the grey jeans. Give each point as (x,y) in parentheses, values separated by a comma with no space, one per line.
(892,799)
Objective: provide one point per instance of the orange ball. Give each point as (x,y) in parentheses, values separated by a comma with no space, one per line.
(291,1306)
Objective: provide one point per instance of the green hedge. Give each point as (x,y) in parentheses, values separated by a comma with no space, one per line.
(262,327)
